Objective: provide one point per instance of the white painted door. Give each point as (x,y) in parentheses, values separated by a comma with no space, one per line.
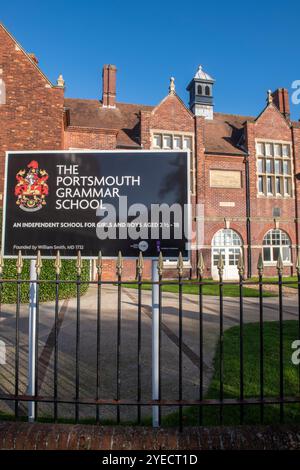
(228,243)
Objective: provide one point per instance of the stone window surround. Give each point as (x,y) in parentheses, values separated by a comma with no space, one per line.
(290,159)
(164,132)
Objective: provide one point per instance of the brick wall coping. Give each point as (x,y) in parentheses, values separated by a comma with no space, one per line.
(20,436)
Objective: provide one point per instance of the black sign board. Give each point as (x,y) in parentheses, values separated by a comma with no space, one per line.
(93,200)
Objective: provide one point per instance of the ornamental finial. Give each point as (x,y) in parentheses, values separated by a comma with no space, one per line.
(270,97)
(60,81)
(172,86)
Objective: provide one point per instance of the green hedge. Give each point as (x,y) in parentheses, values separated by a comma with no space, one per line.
(47,290)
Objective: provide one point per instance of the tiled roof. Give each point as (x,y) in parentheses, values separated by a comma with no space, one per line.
(224,133)
(221,135)
(124,118)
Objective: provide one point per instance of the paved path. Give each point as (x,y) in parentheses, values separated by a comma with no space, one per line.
(108,366)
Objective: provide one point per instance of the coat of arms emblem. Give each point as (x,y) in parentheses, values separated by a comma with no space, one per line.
(31,188)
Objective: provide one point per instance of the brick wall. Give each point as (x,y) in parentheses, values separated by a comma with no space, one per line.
(24,436)
(76,137)
(32,118)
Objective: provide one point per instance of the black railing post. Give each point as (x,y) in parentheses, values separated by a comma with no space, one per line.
(160,268)
(38,266)
(119,269)
(200,271)
(260,269)
(221,334)
(281,383)
(180,329)
(99,285)
(241,271)
(19,267)
(57,266)
(77,353)
(139,274)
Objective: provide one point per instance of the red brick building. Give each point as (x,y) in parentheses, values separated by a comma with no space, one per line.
(245,168)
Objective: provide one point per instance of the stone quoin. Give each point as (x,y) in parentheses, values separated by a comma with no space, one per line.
(245,169)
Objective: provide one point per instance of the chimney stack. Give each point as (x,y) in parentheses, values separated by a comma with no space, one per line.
(281,100)
(109,86)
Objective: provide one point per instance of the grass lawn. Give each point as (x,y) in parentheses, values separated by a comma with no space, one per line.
(208,289)
(251,377)
(286,279)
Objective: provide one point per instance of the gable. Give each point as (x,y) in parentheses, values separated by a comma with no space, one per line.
(171,114)
(11,50)
(272,125)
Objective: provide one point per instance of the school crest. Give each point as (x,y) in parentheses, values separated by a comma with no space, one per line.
(31,189)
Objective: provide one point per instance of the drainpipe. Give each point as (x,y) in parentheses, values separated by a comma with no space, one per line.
(248,215)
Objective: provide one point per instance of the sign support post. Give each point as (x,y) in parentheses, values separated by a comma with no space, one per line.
(32,339)
(155,342)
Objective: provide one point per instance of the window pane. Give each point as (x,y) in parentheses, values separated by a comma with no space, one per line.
(267,254)
(167,141)
(277,167)
(286,150)
(269,149)
(269,166)
(286,186)
(278,185)
(286,168)
(276,251)
(269,185)
(260,165)
(277,150)
(260,148)
(177,142)
(187,143)
(286,253)
(260,184)
(157,140)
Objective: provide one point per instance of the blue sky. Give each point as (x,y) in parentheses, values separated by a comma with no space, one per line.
(248,47)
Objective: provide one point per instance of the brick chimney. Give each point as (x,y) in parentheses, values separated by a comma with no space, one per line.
(281,100)
(109,86)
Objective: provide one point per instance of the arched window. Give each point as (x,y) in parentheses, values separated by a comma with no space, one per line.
(276,241)
(199,90)
(207,90)
(2,92)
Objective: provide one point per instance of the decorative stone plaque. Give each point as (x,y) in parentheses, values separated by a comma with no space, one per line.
(225,179)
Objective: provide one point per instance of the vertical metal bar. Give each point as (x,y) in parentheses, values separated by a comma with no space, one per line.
(155,343)
(55,375)
(241,348)
(99,285)
(200,414)
(32,340)
(119,269)
(160,342)
(281,385)
(36,387)
(221,335)
(180,349)
(139,345)
(119,345)
(77,354)
(261,347)
(17,341)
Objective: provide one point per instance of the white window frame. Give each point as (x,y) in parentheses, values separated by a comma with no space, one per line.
(280,246)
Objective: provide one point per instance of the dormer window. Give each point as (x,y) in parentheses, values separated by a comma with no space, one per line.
(2,89)
(199,90)
(207,90)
